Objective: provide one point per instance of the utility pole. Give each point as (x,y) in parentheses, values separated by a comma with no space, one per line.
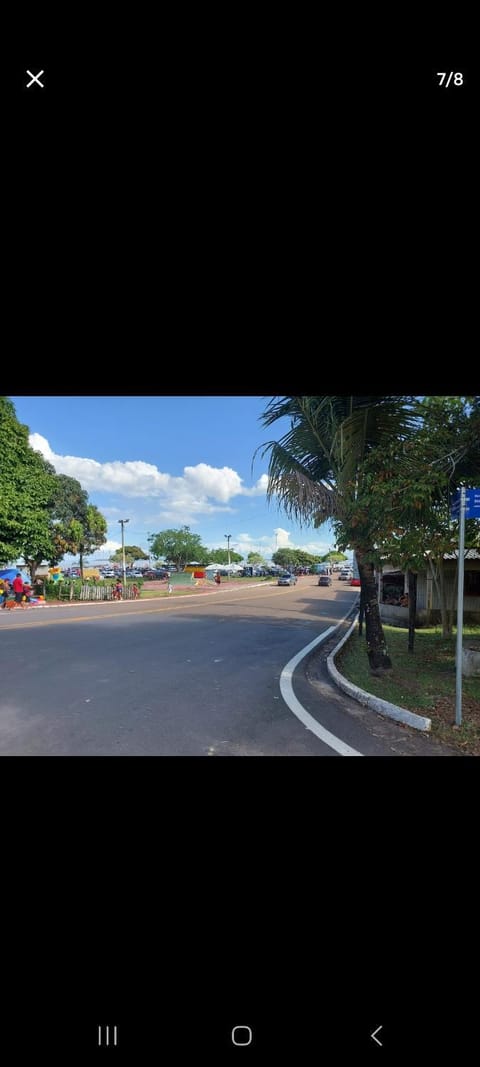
(228,536)
(122,523)
(461,573)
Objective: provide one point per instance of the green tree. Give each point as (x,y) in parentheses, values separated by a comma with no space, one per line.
(254,558)
(306,559)
(70,516)
(179,546)
(132,553)
(409,502)
(220,556)
(94,533)
(333,557)
(38,542)
(27,490)
(315,472)
(285,557)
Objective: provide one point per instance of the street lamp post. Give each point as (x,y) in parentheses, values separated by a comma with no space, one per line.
(122,523)
(228,536)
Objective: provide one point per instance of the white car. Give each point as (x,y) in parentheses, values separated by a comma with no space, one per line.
(345,574)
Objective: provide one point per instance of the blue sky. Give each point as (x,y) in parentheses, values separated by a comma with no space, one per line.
(167,462)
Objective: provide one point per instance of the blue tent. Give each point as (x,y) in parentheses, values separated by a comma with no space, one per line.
(10,573)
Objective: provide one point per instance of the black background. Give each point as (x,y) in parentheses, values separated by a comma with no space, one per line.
(274,194)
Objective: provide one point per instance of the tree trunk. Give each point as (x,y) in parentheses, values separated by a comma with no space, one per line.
(81,564)
(376,645)
(412,608)
(361,614)
(31,565)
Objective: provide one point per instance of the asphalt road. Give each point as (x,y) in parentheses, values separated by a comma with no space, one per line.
(197,676)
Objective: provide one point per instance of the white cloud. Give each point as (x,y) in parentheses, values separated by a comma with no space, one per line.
(182,498)
(282,538)
(268,543)
(260,487)
(109,546)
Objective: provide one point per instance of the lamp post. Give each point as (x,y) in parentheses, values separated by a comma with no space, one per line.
(228,536)
(122,523)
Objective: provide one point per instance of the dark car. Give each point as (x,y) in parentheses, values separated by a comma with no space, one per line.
(324,579)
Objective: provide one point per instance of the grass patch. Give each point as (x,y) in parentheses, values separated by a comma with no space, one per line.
(422,681)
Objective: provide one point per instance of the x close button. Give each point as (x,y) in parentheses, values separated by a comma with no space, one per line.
(35,79)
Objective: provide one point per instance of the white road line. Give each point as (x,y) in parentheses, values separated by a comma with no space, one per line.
(286,689)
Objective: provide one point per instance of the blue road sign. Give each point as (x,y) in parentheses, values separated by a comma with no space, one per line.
(472,504)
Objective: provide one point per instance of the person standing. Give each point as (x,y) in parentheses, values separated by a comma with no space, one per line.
(6,591)
(18,589)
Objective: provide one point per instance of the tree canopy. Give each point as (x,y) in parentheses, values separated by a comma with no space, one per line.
(27,490)
(132,553)
(255,557)
(179,546)
(43,515)
(220,555)
(381,469)
(315,469)
(94,533)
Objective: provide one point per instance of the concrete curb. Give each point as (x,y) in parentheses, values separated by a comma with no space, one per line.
(382,707)
(286,689)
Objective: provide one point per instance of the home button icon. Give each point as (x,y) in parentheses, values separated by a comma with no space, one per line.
(242,1035)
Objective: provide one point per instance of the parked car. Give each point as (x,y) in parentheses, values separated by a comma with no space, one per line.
(324,579)
(345,574)
(287,579)
(355,581)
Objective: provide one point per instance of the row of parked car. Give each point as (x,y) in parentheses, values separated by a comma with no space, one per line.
(345,576)
(324,579)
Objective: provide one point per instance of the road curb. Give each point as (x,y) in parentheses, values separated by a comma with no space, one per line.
(292,702)
(382,707)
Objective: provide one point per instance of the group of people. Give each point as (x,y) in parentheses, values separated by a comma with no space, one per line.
(22,591)
(396,601)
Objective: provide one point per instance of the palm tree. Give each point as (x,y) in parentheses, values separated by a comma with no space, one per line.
(315,472)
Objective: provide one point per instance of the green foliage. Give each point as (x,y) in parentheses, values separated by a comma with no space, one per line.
(405,491)
(69,516)
(132,553)
(178,546)
(255,557)
(285,557)
(27,491)
(94,533)
(316,467)
(43,515)
(220,556)
(294,557)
